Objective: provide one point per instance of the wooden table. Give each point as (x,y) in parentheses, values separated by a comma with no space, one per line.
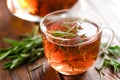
(12,27)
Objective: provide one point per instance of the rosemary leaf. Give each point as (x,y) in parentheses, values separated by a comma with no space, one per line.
(114,50)
(7,65)
(12,56)
(16,62)
(110,62)
(4,54)
(11,41)
(62,34)
(25,55)
(4,50)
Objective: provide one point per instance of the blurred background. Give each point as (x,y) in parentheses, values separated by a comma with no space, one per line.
(11,26)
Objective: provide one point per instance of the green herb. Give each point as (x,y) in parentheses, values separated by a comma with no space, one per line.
(114,50)
(110,60)
(71,28)
(28,49)
(62,34)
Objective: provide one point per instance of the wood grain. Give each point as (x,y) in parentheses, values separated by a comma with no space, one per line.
(12,27)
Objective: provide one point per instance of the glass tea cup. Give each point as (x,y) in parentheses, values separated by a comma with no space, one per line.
(71,40)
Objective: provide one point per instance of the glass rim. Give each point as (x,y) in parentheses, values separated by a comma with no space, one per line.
(66,39)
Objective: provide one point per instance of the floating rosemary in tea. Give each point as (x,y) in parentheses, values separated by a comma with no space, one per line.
(68,51)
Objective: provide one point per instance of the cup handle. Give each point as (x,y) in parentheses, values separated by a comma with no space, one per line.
(108,33)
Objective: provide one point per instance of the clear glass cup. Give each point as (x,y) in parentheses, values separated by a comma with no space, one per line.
(71,40)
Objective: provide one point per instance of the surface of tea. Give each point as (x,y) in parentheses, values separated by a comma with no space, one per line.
(79,53)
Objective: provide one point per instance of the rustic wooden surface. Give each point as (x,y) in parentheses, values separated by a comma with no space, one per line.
(12,27)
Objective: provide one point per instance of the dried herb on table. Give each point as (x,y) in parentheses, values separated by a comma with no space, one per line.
(110,60)
(27,49)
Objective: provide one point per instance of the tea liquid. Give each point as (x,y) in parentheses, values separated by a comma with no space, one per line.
(72,59)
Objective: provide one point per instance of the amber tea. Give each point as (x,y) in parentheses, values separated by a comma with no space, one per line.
(72,59)
(71,40)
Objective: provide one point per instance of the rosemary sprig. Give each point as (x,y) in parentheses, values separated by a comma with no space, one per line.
(28,49)
(71,27)
(110,60)
(114,50)
(62,34)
